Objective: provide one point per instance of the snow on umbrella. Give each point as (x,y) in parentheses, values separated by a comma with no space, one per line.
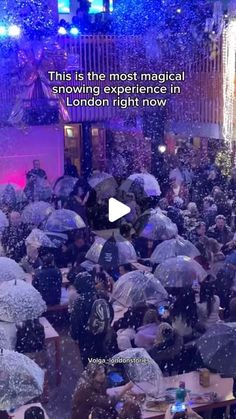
(137,287)
(154,225)
(10,270)
(58,239)
(125,249)
(4,339)
(143,184)
(7,195)
(21,380)
(179,272)
(36,213)
(20,301)
(3,221)
(217,348)
(64,220)
(64,186)
(104,184)
(142,371)
(42,189)
(38,238)
(174,247)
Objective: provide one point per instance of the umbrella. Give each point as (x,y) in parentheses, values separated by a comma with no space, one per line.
(10,270)
(174,247)
(38,238)
(104,184)
(7,195)
(36,213)
(154,225)
(217,348)
(21,380)
(121,249)
(3,221)
(142,184)
(58,239)
(20,301)
(42,189)
(64,186)
(5,342)
(141,370)
(64,220)
(179,272)
(137,287)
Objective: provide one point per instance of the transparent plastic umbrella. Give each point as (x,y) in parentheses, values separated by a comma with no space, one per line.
(137,287)
(64,186)
(21,380)
(179,272)
(36,213)
(42,189)
(7,195)
(154,225)
(4,339)
(20,301)
(3,221)
(217,348)
(142,371)
(104,184)
(10,270)
(126,251)
(174,247)
(141,181)
(64,220)
(38,238)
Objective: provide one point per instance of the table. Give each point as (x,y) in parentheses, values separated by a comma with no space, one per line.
(221,386)
(19,413)
(51,335)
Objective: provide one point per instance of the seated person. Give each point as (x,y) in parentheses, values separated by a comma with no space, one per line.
(209,305)
(167,345)
(48,280)
(184,314)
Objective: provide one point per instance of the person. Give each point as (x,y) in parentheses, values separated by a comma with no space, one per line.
(232,311)
(220,231)
(177,191)
(209,211)
(13,237)
(223,206)
(198,233)
(146,334)
(90,396)
(78,199)
(224,283)
(36,171)
(76,251)
(31,261)
(32,179)
(125,268)
(34,412)
(125,231)
(184,313)
(188,414)
(134,208)
(48,280)
(231,187)
(208,306)
(70,169)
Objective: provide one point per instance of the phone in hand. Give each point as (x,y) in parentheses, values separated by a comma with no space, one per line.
(161,310)
(178,408)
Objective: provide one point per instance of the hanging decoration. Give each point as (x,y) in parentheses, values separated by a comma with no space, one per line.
(224,162)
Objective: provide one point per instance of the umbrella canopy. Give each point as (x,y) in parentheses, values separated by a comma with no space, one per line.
(10,270)
(104,184)
(5,342)
(179,272)
(7,195)
(58,239)
(36,213)
(137,287)
(3,221)
(64,220)
(38,238)
(64,186)
(21,380)
(119,248)
(153,225)
(20,301)
(42,189)
(145,374)
(217,348)
(174,247)
(141,184)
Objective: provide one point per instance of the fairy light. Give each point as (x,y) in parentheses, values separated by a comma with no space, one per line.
(229,62)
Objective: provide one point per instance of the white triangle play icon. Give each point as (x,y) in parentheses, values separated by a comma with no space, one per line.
(116,210)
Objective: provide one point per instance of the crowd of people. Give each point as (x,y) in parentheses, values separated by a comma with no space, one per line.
(202,204)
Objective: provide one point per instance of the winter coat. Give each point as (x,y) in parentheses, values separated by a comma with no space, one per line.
(222,236)
(48,281)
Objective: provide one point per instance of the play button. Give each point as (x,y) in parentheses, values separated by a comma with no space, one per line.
(116,210)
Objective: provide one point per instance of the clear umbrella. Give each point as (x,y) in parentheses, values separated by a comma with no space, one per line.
(64,186)
(126,251)
(42,189)
(64,220)
(10,270)
(4,339)
(174,247)
(217,348)
(3,221)
(137,287)
(36,213)
(20,301)
(154,225)
(104,184)
(179,272)
(21,380)
(7,195)
(38,238)
(143,183)
(142,371)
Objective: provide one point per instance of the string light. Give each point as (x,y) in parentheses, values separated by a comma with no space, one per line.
(229,62)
